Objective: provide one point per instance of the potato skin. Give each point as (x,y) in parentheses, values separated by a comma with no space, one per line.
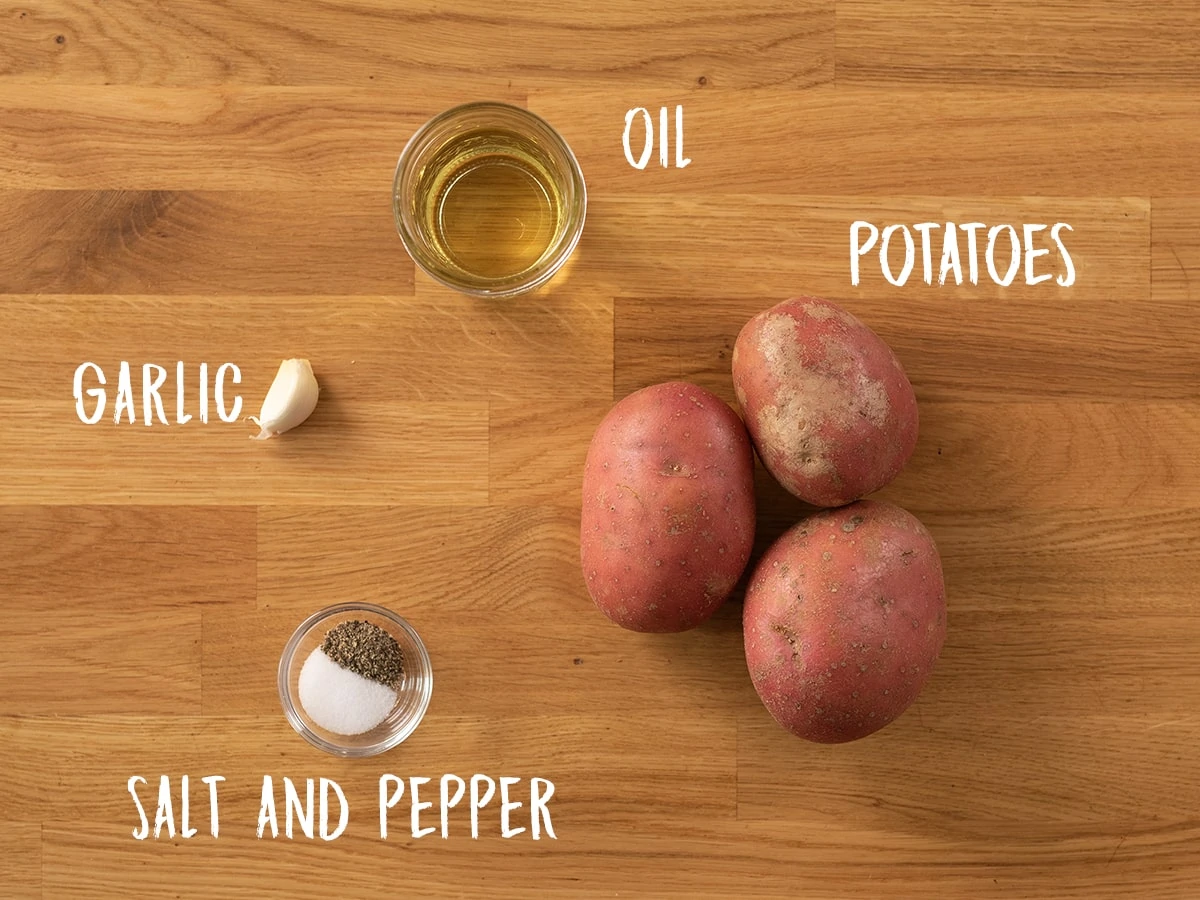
(845,616)
(668,508)
(831,412)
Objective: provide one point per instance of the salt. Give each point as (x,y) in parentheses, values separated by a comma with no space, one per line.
(342,701)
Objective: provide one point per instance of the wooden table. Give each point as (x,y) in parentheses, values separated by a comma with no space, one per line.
(207,182)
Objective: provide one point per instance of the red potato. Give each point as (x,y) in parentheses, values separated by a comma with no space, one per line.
(826,401)
(668,508)
(844,617)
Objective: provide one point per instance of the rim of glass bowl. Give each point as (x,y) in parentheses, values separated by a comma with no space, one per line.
(293,715)
(545,270)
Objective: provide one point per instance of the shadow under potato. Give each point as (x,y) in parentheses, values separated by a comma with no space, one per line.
(777,511)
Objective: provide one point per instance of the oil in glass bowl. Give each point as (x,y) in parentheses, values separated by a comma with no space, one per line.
(489,199)
(492,206)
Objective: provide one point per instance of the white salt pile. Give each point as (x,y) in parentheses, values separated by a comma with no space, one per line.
(342,701)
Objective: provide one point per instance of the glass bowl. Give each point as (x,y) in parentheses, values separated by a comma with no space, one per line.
(414,690)
(429,157)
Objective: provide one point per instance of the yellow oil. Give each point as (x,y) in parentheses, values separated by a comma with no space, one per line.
(491,204)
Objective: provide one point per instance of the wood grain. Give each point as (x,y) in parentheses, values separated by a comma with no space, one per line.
(21,866)
(665,42)
(1131,561)
(210,553)
(1052,455)
(547,471)
(516,548)
(1109,42)
(200,243)
(209,182)
(129,660)
(1175,251)
(1049,771)
(110,597)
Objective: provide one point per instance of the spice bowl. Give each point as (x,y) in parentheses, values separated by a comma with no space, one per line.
(327,684)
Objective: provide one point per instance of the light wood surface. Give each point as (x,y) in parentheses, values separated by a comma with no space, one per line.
(208,182)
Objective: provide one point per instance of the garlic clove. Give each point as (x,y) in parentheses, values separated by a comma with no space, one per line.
(290,400)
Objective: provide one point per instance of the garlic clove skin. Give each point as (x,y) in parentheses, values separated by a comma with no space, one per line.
(291,399)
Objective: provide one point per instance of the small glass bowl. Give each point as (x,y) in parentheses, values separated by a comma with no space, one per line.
(420,158)
(414,690)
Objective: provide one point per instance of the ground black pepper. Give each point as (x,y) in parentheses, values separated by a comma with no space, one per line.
(366,649)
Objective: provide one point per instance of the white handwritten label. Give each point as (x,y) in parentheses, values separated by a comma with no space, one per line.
(164,813)
(639,116)
(91,393)
(303,811)
(317,808)
(1007,251)
(481,793)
